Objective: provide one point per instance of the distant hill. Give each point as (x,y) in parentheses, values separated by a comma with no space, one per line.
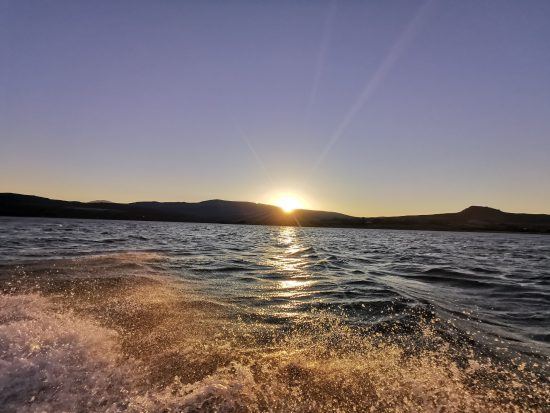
(215,211)
(474,218)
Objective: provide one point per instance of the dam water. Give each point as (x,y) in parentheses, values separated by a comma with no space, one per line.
(142,316)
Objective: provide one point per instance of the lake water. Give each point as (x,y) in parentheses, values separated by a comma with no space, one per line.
(134,316)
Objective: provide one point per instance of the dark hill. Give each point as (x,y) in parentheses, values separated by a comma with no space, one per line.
(474,218)
(482,213)
(215,211)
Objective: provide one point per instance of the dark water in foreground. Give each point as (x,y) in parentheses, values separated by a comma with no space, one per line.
(136,316)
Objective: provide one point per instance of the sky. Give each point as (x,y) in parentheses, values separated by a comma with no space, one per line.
(362,107)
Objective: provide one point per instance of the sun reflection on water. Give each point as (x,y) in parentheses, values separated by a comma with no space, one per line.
(290,259)
(294,284)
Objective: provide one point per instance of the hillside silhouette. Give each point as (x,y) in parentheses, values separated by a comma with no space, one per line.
(473,218)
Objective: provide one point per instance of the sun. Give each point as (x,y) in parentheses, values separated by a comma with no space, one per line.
(288,203)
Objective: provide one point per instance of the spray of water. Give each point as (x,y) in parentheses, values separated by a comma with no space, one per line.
(109,334)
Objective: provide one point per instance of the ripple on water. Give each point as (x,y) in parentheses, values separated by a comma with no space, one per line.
(286,318)
(148,344)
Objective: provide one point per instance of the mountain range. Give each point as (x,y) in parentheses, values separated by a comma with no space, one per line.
(473,218)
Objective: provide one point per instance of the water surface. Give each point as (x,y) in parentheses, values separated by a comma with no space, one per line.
(255,318)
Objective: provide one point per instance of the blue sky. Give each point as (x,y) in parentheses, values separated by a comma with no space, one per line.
(364,107)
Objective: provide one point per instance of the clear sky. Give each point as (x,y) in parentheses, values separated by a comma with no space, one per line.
(363,107)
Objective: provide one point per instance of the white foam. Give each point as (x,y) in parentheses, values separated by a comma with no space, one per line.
(51,361)
(55,361)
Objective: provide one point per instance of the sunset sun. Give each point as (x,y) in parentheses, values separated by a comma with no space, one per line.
(288,203)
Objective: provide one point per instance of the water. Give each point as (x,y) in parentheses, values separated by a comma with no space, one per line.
(133,316)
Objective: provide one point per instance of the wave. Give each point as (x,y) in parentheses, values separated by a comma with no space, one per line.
(150,344)
(57,362)
(301,251)
(451,277)
(227,268)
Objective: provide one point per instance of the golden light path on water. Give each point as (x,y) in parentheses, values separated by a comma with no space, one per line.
(289,261)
